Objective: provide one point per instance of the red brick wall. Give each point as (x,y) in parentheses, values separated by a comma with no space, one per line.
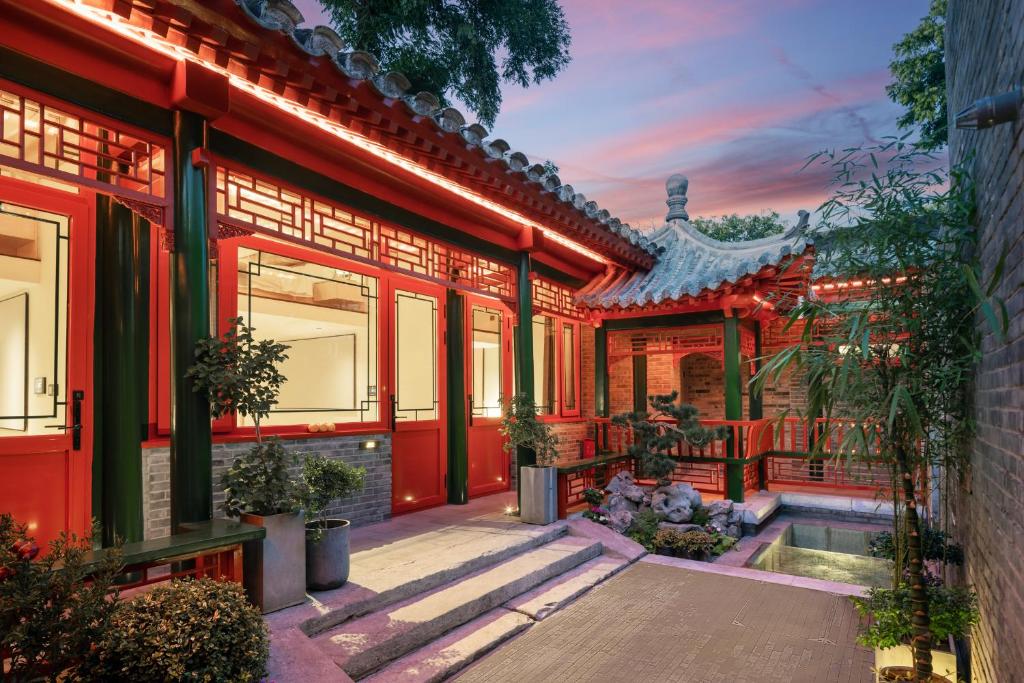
(703,385)
(620,386)
(662,375)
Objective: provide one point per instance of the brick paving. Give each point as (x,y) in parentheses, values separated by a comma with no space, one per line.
(661,623)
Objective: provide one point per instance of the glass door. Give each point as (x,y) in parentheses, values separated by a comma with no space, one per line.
(418,456)
(488,376)
(46,288)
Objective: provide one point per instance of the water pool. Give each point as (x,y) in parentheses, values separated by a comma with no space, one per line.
(824,552)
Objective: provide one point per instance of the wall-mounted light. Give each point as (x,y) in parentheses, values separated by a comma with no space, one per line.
(369,445)
(991,111)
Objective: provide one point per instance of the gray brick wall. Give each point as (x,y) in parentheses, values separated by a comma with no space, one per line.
(985,56)
(372,505)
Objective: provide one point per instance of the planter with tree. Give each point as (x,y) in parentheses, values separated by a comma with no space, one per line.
(325,481)
(520,427)
(239,374)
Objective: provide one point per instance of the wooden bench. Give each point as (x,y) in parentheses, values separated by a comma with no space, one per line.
(203,549)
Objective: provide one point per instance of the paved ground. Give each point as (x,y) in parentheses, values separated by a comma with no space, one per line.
(663,623)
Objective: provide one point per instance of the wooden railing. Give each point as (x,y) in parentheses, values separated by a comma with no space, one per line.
(769,451)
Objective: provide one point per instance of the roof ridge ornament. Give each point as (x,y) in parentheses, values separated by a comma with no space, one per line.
(676,185)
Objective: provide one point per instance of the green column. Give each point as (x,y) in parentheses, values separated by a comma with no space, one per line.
(524,352)
(191,475)
(733,404)
(601,398)
(119,389)
(640,383)
(756,408)
(458,451)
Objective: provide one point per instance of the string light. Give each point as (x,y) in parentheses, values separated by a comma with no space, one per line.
(154,41)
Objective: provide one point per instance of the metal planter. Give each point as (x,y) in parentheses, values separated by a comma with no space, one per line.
(327,559)
(275,567)
(537,503)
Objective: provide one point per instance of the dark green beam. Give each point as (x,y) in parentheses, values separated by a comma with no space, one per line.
(656,321)
(191,461)
(733,404)
(458,449)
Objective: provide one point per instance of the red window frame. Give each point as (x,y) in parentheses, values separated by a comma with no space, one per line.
(560,323)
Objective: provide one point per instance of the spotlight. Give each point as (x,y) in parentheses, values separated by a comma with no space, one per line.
(991,111)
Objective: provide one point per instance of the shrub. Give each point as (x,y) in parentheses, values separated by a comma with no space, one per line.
(953,612)
(593,496)
(700,516)
(202,630)
(258,482)
(49,614)
(935,545)
(695,542)
(723,542)
(325,480)
(644,528)
(521,428)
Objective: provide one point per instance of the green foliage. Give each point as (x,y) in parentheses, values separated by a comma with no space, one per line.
(654,439)
(644,528)
(690,543)
(919,78)
(188,630)
(700,516)
(953,612)
(459,48)
(521,428)
(935,545)
(736,228)
(49,614)
(593,496)
(325,480)
(258,482)
(239,373)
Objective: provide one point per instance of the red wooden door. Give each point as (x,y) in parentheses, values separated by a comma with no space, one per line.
(47,256)
(488,385)
(417,360)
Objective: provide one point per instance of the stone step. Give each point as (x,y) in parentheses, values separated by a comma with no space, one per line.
(553,595)
(456,650)
(398,570)
(363,645)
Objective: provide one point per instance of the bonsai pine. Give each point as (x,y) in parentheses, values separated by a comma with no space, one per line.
(654,436)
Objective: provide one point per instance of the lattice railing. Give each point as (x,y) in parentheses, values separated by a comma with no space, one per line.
(551,297)
(52,141)
(247,202)
(675,341)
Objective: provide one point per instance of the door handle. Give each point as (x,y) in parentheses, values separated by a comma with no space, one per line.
(77,396)
(394,412)
(469,416)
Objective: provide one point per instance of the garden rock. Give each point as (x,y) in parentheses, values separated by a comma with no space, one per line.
(617,502)
(633,493)
(620,520)
(672,503)
(620,481)
(720,507)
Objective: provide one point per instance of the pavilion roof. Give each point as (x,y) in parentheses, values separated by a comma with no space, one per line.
(691,264)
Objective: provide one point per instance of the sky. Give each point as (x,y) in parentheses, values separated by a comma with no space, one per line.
(733,93)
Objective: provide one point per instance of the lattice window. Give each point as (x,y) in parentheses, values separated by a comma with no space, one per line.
(748,346)
(550,297)
(679,341)
(245,201)
(41,138)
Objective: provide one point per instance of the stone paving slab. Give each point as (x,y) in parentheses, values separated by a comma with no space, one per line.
(656,622)
(552,595)
(362,645)
(445,656)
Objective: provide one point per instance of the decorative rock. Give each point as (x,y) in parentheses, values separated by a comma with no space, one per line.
(620,520)
(672,504)
(719,507)
(617,502)
(734,531)
(736,516)
(620,481)
(633,493)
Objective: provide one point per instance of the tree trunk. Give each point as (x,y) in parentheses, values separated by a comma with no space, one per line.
(922,640)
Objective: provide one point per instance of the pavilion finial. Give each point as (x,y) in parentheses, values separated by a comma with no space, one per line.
(676,185)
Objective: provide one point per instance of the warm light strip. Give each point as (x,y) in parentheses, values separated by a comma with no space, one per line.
(147,38)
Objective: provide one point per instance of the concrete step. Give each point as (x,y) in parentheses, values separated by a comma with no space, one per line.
(363,645)
(553,595)
(456,650)
(392,571)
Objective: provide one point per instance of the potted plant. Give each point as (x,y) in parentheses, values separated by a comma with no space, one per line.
(889,629)
(239,374)
(521,428)
(327,551)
